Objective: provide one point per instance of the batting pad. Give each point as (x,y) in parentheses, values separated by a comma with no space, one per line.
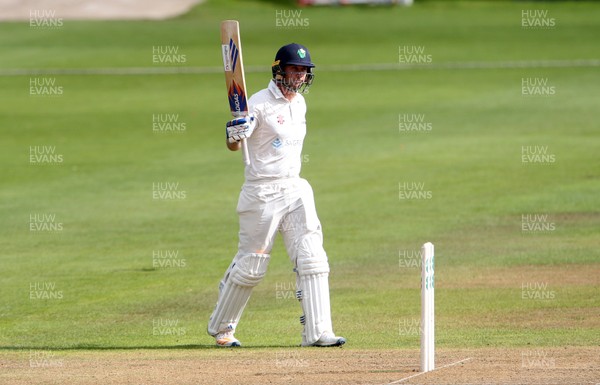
(313,279)
(244,274)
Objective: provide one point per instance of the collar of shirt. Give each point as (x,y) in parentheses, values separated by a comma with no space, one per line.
(275,90)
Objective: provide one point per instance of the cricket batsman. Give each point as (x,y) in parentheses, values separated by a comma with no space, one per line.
(275,199)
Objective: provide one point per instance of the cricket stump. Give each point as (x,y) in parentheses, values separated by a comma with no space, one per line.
(427,308)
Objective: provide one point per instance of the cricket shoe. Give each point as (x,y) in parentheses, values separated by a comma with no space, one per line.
(327,339)
(227,340)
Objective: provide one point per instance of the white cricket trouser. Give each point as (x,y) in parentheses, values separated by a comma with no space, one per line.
(264,209)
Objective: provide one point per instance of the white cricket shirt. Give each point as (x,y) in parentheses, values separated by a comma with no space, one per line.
(275,146)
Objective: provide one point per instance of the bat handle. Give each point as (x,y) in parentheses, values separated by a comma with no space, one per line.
(245,155)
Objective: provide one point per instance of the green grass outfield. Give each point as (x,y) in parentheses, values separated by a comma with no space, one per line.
(101,263)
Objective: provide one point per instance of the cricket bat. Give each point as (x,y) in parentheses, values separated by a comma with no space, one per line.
(233,65)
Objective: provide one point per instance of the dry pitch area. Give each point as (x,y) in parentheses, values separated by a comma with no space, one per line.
(536,366)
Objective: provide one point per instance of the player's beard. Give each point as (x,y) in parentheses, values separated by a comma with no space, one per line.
(293,85)
(290,85)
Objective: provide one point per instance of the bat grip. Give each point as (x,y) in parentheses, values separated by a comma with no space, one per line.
(245,155)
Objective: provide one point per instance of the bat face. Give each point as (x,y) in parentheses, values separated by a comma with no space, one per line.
(234,68)
(237,100)
(231,48)
(230,55)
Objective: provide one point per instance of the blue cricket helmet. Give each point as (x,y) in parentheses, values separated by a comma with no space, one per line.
(293,54)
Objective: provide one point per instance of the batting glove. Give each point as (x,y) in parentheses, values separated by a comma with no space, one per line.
(241,128)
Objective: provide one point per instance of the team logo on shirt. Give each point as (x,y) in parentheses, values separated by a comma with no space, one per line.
(277,143)
(280,119)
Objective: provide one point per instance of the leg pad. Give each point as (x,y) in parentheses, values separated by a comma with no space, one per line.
(235,290)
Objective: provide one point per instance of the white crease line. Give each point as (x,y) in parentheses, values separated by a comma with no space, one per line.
(436,369)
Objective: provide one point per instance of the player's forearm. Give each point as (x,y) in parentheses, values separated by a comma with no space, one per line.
(235,146)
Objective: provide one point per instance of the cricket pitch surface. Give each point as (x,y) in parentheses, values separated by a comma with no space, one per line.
(291,365)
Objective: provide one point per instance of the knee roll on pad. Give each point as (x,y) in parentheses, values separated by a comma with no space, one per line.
(311,257)
(249,270)
(312,266)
